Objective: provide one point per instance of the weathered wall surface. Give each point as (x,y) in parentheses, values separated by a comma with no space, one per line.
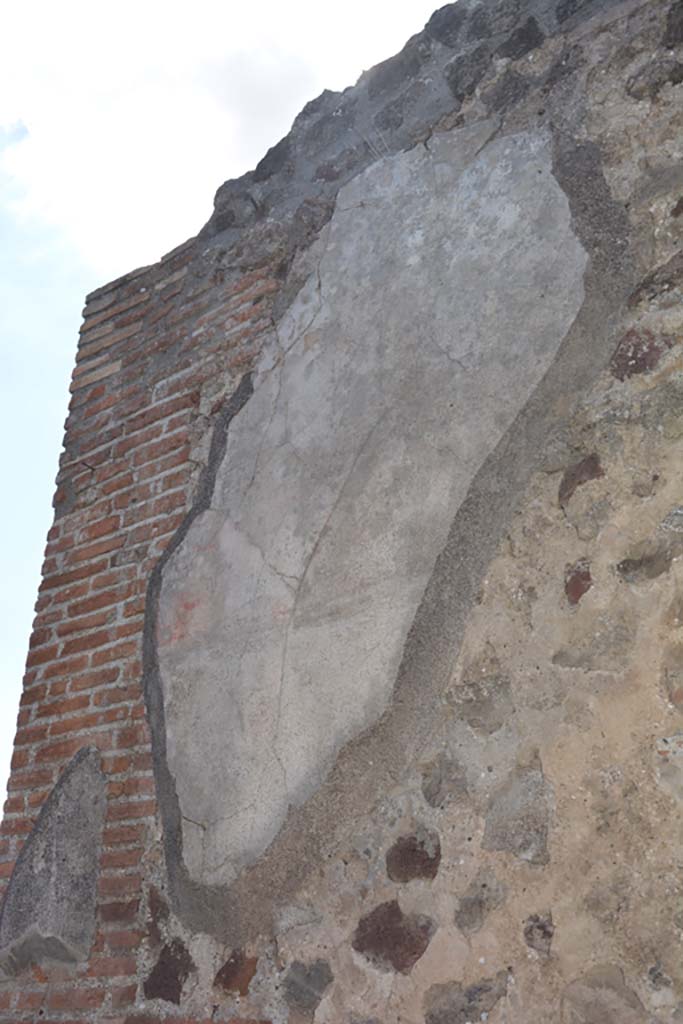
(361,608)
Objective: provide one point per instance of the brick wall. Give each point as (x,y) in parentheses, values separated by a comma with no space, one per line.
(160,349)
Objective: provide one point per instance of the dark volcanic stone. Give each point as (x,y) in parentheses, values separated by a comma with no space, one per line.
(453,1004)
(236,973)
(391,117)
(508,90)
(390,939)
(673,35)
(403,67)
(538,932)
(305,984)
(577,474)
(569,61)
(169,974)
(568,8)
(275,160)
(577,580)
(415,856)
(446,24)
(523,40)
(637,352)
(465,73)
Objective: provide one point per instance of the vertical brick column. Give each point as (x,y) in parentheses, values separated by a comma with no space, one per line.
(160,350)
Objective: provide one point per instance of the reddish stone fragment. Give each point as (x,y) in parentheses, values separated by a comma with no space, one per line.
(581,472)
(391,939)
(637,352)
(577,580)
(236,973)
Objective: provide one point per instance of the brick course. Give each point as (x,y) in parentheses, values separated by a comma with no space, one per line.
(159,350)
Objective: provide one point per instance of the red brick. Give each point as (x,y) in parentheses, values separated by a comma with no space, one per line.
(133,736)
(116,695)
(119,885)
(34,695)
(121,858)
(123,996)
(30,779)
(28,1000)
(130,809)
(103,599)
(66,667)
(82,723)
(37,798)
(122,835)
(31,734)
(136,786)
(62,750)
(100,547)
(73,998)
(16,826)
(20,758)
(64,706)
(85,622)
(129,938)
(111,966)
(117,483)
(138,440)
(101,528)
(86,643)
(40,637)
(95,678)
(60,579)
(115,653)
(177,444)
(14,805)
(41,655)
(119,912)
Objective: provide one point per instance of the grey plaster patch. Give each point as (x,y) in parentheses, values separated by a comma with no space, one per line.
(305,984)
(340,481)
(602,996)
(454,1003)
(518,817)
(443,780)
(48,912)
(484,894)
(483,697)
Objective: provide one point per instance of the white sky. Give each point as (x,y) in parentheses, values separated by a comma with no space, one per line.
(117,125)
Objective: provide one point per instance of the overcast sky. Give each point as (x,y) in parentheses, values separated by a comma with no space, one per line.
(117,124)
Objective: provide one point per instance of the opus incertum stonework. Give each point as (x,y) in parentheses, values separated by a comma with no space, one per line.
(355,691)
